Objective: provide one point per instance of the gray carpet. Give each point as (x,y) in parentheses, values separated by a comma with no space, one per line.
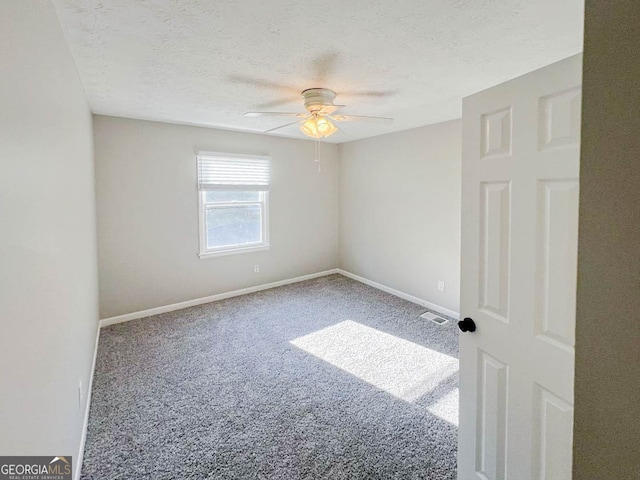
(275,385)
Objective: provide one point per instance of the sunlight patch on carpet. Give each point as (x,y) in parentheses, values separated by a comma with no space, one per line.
(446,407)
(402,368)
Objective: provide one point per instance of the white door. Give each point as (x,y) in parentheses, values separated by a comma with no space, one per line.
(521,143)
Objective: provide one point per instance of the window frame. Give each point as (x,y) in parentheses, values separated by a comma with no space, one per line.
(238,248)
(263,203)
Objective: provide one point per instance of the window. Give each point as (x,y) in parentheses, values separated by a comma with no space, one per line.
(233,192)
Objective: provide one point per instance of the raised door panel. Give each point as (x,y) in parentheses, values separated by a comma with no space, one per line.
(556,257)
(553,427)
(491,446)
(559,119)
(495,241)
(496,134)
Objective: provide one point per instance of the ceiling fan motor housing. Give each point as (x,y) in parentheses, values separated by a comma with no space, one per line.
(316,98)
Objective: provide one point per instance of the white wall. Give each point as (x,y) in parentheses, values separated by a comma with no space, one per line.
(148,215)
(400,211)
(48,271)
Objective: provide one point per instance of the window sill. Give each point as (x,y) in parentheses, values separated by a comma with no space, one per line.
(233,251)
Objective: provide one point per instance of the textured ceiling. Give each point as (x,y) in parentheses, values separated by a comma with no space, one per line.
(207,62)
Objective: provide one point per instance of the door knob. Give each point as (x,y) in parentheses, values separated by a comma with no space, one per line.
(467,325)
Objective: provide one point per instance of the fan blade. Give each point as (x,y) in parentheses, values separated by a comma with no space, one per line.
(274,114)
(280,101)
(370,93)
(360,118)
(329,109)
(260,83)
(281,126)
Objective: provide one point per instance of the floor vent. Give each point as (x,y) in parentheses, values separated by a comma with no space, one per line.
(434,318)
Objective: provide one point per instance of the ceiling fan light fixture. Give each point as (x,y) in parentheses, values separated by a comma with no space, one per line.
(326,127)
(308,127)
(318,126)
(319,120)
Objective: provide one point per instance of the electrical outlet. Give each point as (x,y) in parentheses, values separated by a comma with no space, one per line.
(441,285)
(80,395)
(256,268)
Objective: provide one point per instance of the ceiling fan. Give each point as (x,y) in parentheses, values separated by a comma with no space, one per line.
(318,121)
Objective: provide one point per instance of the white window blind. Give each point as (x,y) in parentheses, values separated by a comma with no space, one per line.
(225,171)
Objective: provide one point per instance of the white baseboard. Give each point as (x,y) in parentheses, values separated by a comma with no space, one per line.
(398,293)
(212,298)
(85,423)
(244,291)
